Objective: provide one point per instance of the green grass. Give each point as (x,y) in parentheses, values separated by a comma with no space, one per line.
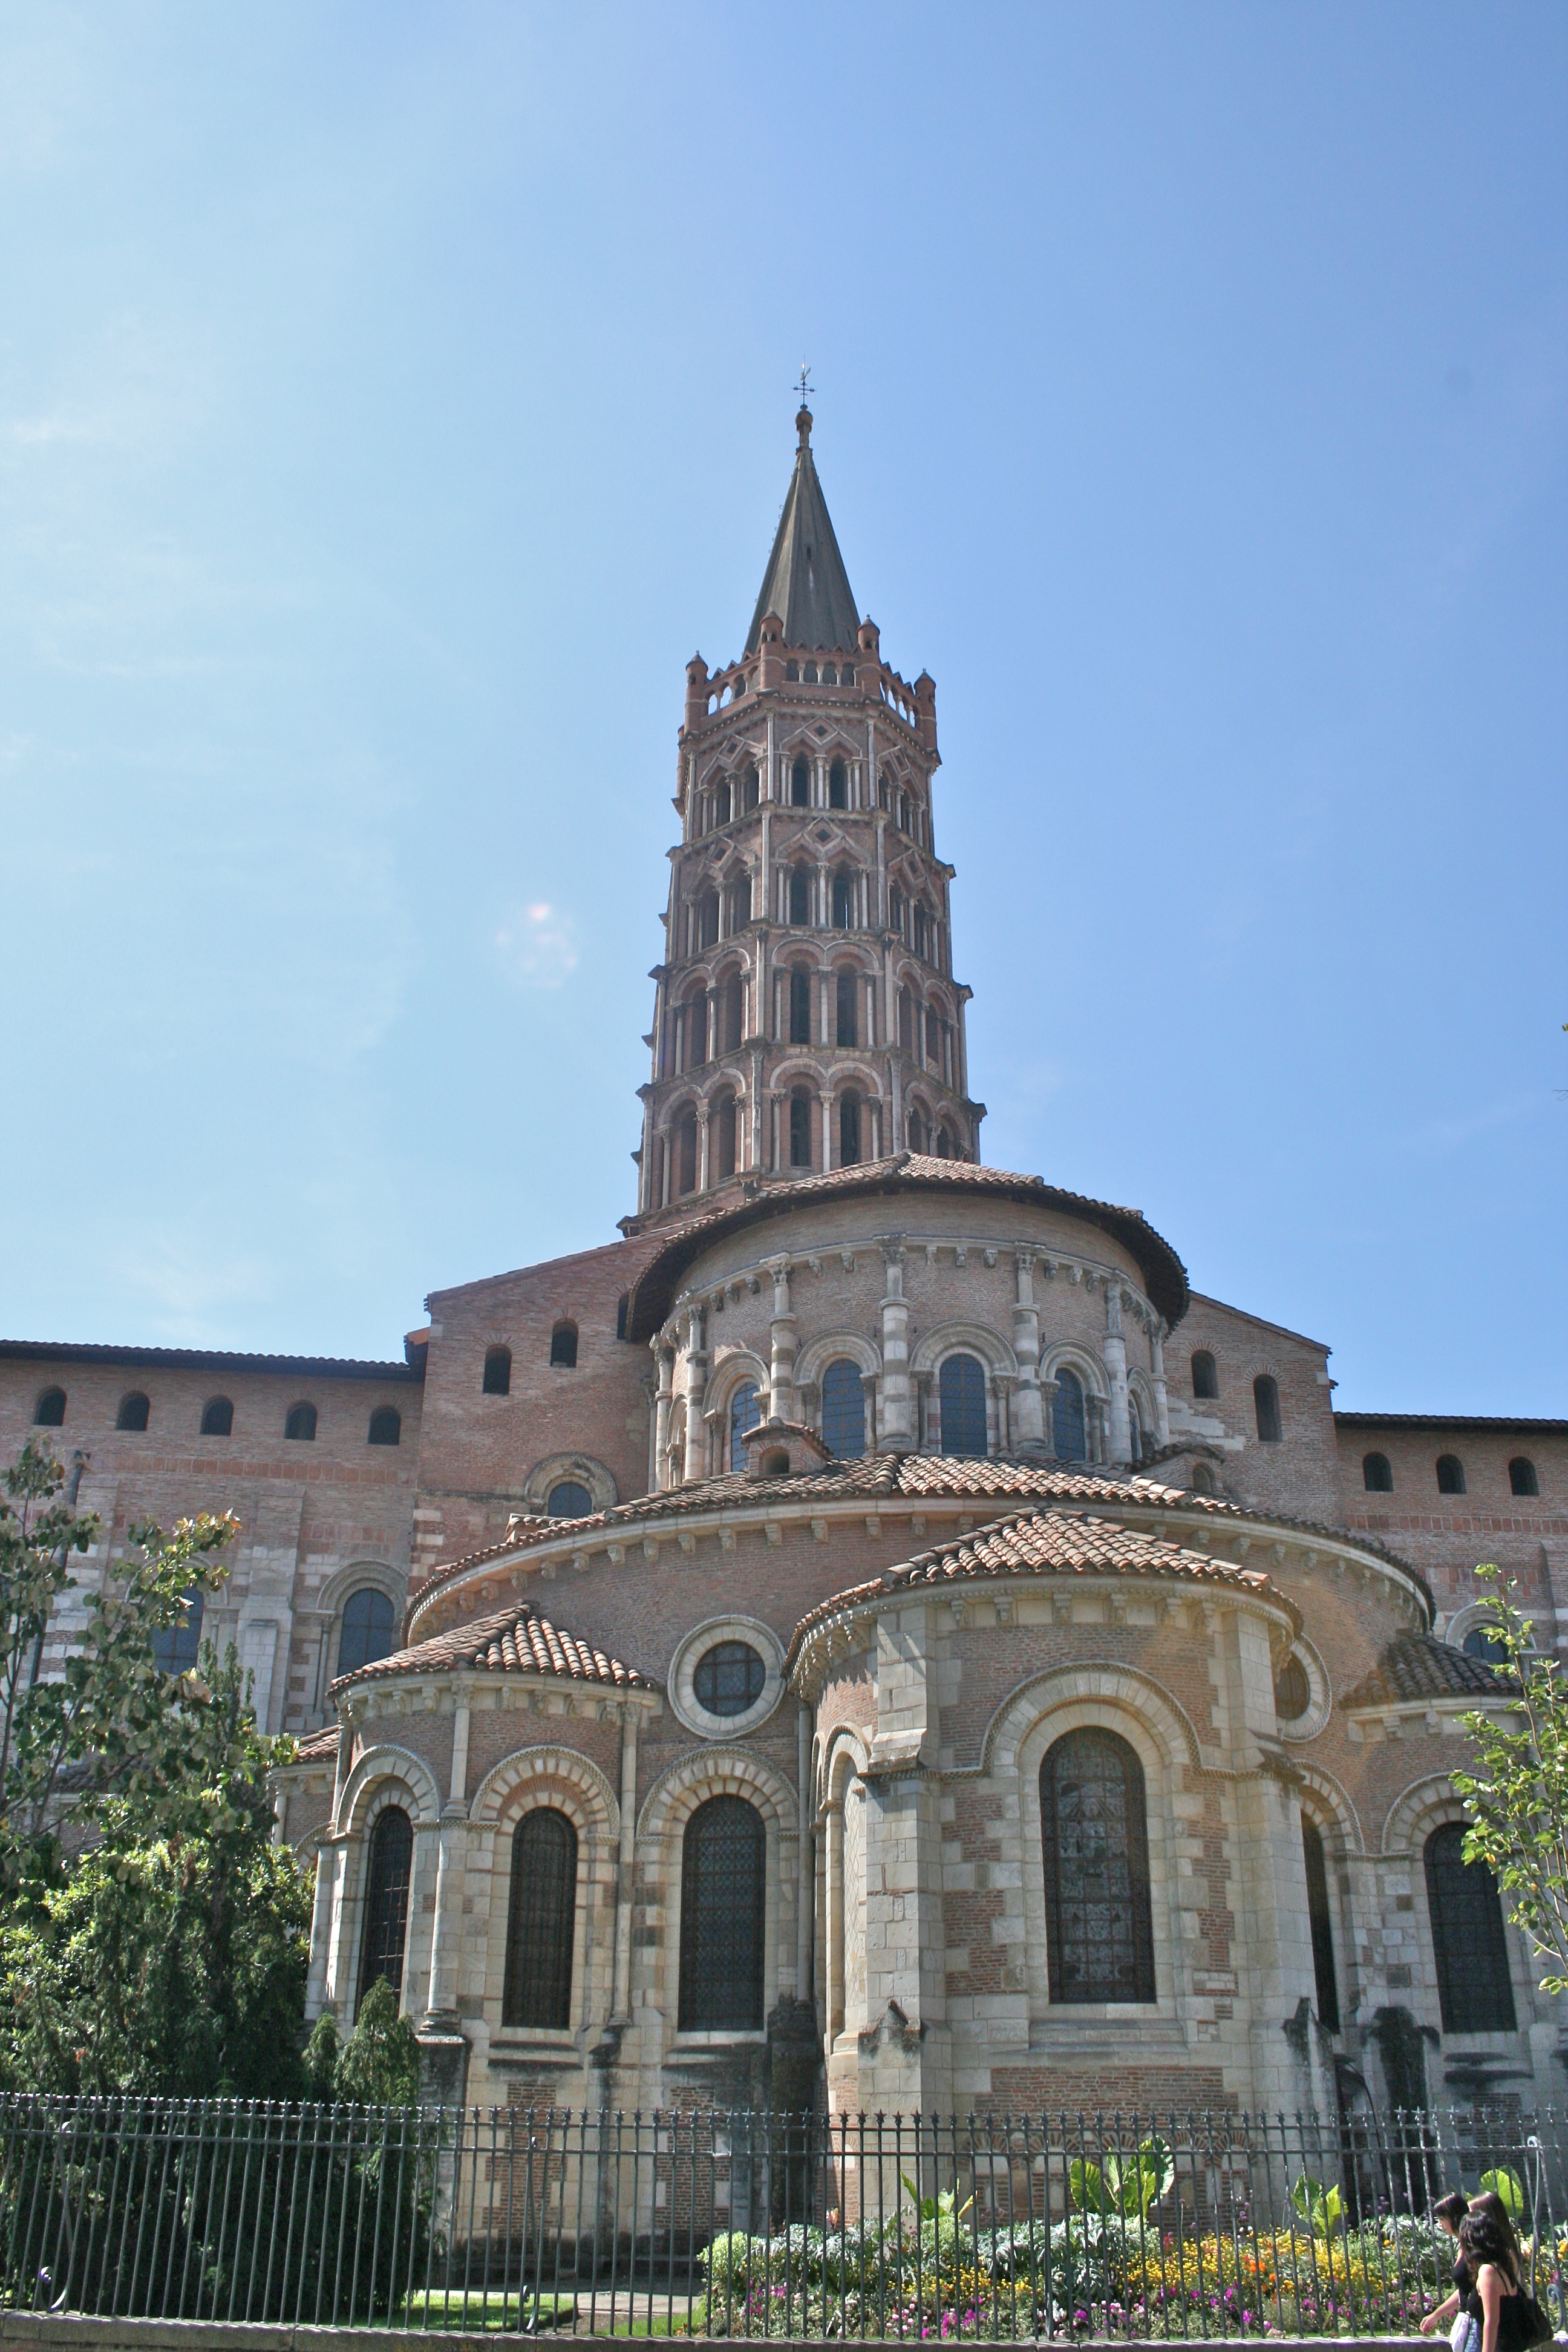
(478,2310)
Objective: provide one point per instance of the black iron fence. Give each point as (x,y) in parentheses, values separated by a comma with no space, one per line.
(754,2224)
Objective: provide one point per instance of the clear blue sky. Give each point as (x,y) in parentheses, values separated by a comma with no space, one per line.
(392,397)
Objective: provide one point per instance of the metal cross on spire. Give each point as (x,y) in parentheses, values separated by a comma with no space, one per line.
(805,387)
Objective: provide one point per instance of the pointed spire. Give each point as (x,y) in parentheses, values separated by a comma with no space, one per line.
(805,583)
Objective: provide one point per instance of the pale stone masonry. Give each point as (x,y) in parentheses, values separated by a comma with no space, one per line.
(962,1667)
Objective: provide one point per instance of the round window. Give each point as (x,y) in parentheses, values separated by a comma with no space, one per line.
(730,1678)
(1292,1691)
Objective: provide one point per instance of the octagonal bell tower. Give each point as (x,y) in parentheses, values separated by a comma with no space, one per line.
(805,1016)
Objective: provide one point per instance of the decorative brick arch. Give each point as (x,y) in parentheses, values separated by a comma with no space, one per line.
(1330,1806)
(817,1354)
(369,1785)
(1105,1686)
(593,1806)
(717,1772)
(1422,1808)
(1089,1366)
(583,1469)
(961,1339)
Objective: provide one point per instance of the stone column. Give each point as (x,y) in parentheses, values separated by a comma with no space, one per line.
(320,1926)
(666,1356)
(1121,1434)
(696,1382)
(781,1343)
(775,1100)
(826,1100)
(451,1869)
(702,1143)
(1029,1424)
(622,2006)
(1157,1383)
(897,1429)
(905,2060)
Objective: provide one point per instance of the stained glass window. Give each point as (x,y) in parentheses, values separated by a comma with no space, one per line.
(722,1916)
(1069,1425)
(842,1409)
(388,1868)
(1474,1987)
(176,1648)
(961,1387)
(367,1629)
(541,1920)
(1095,1831)
(730,1678)
(1322,1925)
(745,1412)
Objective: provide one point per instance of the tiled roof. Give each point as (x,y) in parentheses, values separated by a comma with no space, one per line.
(1448,1420)
(873,1479)
(1045,1543)
(654,1291)
(1417,1666)
(210,1359)
(318,1747)
(514,1640)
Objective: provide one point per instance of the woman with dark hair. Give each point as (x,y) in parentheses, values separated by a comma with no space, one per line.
(1448,2213)
(1510,2318)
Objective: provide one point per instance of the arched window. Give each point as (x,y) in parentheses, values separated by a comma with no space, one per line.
(1475,1990)
(1266,1404)
(844,902)
(1292,1691)
(1205,1378)
(916,1125)
(217,1418)
(622,1304)
(388,1866)
(838,785)
(386,1426)
(943,1144)
(922,925)
(1204,1479)
(1134,1431)
(1321,1919)
(366,1631)
(843,1410)
(708,920)
(1376,1476)
(299,1424)
(800,897)
(1521,1477)
(1069,1422)
(847,1008)
(800,785)
(541,1922)
(1099,1932)
(685,1146)
(569,1499)
(1451,1475)
(799,1006)
(1478,1642)
(722,1918)
(907,1017)
(961,1386)
(697,1029)
(730,1021)
(932,1038)
(751,790)
(722,1138)
(721,803)
(848,1128)
(903,812)
(895,910)
(133,1412)
(563,1344)
(498,1371)
(745,1412)
(49,1412)
(177,1647)
(800,1128)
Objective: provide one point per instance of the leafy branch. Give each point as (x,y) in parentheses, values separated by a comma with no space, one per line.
(1518,1795)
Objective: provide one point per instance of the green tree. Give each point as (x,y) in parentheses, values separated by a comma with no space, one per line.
(152,1938)
(1517,1796)
(108,1726)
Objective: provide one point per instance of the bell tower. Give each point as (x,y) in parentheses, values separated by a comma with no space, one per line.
(805,1016)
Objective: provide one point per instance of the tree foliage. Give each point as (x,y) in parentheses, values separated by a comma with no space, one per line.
(1517,1796)
(152,1937)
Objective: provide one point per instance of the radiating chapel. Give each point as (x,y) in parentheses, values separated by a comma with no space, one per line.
(871,1633)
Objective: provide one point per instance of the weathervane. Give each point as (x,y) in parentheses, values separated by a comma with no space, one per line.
(805,387)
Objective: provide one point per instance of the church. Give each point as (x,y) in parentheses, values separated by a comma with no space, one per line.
(872,1632)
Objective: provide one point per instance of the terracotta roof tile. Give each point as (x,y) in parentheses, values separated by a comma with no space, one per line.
(316,1747)
(1418,1666)
(1045,1543)
(513,1641)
